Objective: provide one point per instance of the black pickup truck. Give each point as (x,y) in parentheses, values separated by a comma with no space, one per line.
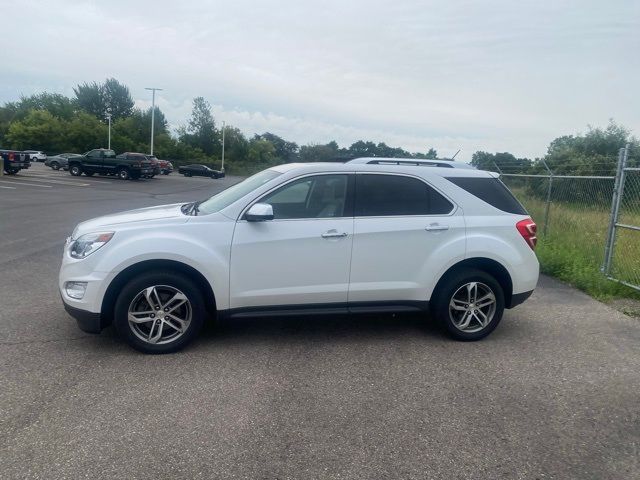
(14,161)
(105,162)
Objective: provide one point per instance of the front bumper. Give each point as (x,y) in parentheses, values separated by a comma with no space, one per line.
(89,322)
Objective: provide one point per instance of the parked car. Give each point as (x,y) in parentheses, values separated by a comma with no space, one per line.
(14,161)
(36,155)
(307,238)
(166,167)
(155,165)
(200,171)
(126,166)
(60,161)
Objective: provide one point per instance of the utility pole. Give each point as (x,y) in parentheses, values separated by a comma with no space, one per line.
(222,168)
(153,112)
(109,118)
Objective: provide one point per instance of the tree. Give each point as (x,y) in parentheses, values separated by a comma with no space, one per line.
(505,161)
(38,130)
(286,151)
(320,153)
(109,97)
(594,153)
(89,98)
(116,99)
(201,129)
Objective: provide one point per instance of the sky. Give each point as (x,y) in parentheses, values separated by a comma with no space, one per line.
(487,75)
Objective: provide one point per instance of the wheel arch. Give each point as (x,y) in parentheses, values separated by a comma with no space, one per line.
(116,285)
(488,265)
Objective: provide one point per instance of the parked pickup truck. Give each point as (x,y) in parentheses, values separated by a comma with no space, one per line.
(105,162)
(14,161)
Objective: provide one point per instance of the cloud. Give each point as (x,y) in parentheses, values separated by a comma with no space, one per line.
(490,75)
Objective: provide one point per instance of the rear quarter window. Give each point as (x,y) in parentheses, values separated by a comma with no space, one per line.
(492,191)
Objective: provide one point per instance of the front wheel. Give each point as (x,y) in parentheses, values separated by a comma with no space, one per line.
(75,170)
(123,174)
(469,304)
(159,312)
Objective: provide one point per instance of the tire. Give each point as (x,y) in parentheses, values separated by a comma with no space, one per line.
(75,170)
(123,174)
(89,174)
(133,298)
(453,315)
(187,174)
(55,165)
(165,173)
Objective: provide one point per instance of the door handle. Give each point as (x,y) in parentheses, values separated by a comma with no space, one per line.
(436,227)
(334,234)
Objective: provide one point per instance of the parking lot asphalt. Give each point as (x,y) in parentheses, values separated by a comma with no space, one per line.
(554,392)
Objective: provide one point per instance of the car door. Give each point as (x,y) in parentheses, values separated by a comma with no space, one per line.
(302,256)
(93,162)
(404,230)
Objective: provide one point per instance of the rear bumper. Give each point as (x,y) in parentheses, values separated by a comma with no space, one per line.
(518,298)
(89,322)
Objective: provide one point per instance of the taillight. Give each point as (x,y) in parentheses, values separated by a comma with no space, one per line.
(528,230)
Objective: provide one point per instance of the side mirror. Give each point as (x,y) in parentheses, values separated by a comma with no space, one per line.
(259,212)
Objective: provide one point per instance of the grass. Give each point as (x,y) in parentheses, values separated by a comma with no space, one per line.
(573,248)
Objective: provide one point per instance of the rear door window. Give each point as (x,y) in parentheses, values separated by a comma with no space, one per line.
(491,191)
(396,195)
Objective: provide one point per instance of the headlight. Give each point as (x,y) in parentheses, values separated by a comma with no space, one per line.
(89,243)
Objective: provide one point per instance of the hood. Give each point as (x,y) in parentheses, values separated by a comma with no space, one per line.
(161,212)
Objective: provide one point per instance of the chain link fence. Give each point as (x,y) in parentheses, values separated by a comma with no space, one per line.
(622,263)
(592,219)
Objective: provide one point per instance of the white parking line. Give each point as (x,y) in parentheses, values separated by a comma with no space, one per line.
(1,186)
(26,184)
(60,176)
(33,178)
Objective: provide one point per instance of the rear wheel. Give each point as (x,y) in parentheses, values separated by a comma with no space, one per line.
(123,174)
(55,165)
(469,304)
(75,170)
(187,174)
(159,312)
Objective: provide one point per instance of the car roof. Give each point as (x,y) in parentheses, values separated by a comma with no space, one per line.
(417,170)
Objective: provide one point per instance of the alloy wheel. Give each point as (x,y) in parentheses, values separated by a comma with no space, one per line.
(472,307)
(159,314)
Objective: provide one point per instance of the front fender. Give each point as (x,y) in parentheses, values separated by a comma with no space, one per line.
(210,259)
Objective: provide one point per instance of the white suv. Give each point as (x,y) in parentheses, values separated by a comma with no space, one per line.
(371,235)
(36,155)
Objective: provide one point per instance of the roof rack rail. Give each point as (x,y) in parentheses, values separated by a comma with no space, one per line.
(414,162)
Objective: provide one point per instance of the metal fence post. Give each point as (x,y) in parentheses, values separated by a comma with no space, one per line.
(616,200)
(548,201)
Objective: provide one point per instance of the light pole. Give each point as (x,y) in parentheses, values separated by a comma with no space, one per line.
(109,118)
(153,112)
(222,168)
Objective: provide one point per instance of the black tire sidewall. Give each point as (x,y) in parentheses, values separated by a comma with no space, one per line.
(123,174)
(449,285)
(139,283)
(77,169)
(55,166)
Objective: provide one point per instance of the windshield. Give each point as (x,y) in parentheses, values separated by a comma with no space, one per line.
(236,192)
